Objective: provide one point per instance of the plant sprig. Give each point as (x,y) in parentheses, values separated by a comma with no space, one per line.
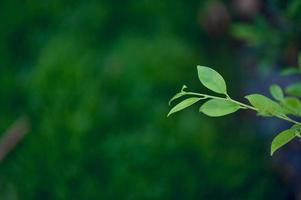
(217,106)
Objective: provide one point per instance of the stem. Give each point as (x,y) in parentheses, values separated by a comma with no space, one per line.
(284,117)
(242,105)
(221,98)
(205,95)
(288,119)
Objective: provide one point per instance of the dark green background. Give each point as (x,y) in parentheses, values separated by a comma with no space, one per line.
(94,79)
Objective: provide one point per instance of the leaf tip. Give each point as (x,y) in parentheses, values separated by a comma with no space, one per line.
(200,67)
(272,152)
(183,88)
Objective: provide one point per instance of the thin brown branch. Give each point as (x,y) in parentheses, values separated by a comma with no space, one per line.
(13,135)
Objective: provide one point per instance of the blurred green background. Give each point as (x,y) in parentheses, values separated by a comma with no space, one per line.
(93,79)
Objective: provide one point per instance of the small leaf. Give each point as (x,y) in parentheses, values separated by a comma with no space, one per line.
(281,139)
(183,88)
(294,89)
(183,104)
(246,32)
(297,128)
(218,107)
(212,79)
(290,71)
(276,92)
(292,105)
(178,95)
(265,106)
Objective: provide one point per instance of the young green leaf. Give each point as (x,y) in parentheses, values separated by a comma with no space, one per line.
(178,95)
(297,129)
(246,32)
(290,71)
(212,79)
(294,89)
(183,104)
(265,106)
(276,92)
(218,107)
(281,139)
(183,88)
(292,105)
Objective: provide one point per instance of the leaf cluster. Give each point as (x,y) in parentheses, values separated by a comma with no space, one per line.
(284,104)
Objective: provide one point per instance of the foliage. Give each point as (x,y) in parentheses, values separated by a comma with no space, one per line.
(219,106)
(272,36)
(93,78)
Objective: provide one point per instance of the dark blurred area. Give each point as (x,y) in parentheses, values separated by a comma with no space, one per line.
(84,87)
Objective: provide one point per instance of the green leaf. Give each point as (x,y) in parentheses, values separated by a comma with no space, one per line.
(246,32)
(292,105)
(265,106)
(297,129)
(178,95)
(276,92)
(293,9)
(294,89)
(183,88)
(290,71)
(212,79)
(281,139)
(218,107)
(183,104)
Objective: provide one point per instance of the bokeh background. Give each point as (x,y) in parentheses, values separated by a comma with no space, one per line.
(84,86)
